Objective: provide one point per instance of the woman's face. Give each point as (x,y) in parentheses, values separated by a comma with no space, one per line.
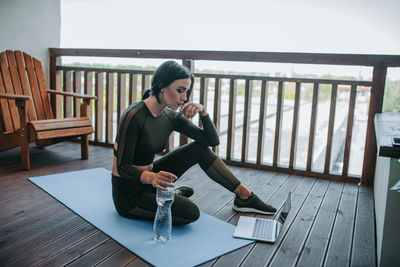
(175,94)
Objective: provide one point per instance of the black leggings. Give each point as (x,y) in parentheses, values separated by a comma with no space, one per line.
(142,204)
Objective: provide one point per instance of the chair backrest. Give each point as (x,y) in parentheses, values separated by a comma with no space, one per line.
(23,75)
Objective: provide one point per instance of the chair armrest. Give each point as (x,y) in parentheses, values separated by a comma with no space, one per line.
(51,91)
(15,97)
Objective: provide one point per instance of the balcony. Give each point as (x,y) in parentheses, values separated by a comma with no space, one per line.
(273,142)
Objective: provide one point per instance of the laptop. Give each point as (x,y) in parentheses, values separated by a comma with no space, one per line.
(261,229)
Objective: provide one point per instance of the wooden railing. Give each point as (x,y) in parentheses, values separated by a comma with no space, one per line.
(222,101)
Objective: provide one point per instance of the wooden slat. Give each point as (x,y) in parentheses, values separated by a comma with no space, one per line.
(9,89)
(88,86)
(59,120)
(5,110)
(19,221)
(293,142)
(12,67)
(203,94)
(339,250)
(43,88)
(278,124)
(309,58)
(25,84)
(121,89)
(120,258)
(262,253)
(61,124)
(77,88)
(229,76)
(230,147)
(99,85)
(54,247)
(67,99)
(246,119)
(329,140)
(349,131)
(37,228)
(217,109)
(261,123)
(76,250)
(375,106)
(54,75)
(312,127)
(364,230)
(133,80)
(27,247)
(64,133)
(71,94)
(189,64)
(313,253)
(98,254)
(297,235)
(109,107)
(58,99)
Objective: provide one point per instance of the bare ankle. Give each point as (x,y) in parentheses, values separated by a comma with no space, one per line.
(242,192)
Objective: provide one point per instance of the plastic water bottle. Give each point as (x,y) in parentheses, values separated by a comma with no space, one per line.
(163,221)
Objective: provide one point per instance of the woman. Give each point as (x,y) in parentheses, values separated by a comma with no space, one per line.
(144,130)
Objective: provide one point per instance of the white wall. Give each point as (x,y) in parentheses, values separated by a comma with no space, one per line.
(31,26)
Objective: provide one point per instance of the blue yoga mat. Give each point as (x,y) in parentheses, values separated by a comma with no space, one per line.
(88,193)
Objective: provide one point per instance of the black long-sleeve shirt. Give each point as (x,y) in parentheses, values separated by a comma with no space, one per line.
(140,136)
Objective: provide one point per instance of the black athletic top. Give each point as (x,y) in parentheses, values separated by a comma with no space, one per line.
(140,136)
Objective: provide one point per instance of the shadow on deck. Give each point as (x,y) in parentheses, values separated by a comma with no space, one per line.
(331,223)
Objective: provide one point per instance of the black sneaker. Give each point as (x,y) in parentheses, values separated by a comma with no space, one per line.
(252,204)
(184,191)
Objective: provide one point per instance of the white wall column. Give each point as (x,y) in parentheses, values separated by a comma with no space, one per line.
(31,26)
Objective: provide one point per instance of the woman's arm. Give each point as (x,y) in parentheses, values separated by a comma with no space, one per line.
(206,136)
(128,131)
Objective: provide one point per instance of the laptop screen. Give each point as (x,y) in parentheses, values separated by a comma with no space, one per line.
(285,209)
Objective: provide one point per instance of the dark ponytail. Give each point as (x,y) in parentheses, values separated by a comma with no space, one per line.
(165,75)
(146,94)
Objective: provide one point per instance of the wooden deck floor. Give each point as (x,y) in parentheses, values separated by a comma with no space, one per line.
(331,223)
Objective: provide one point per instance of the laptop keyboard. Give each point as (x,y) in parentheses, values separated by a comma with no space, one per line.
(262,229)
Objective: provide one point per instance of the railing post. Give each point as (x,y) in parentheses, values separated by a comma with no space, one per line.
(375,106)
(188,63)
(53,81)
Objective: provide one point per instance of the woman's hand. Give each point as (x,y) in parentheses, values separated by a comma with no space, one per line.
(160,179)
(189,110)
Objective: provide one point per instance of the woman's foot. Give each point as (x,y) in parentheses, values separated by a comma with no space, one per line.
(252,204)
(184,191)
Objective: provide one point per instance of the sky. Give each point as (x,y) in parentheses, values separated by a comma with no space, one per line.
(330,26)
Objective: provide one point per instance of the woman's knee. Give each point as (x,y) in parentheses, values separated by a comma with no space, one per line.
(206,154)
(185,211)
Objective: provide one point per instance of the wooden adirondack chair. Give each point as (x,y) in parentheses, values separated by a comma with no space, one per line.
(25,111)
